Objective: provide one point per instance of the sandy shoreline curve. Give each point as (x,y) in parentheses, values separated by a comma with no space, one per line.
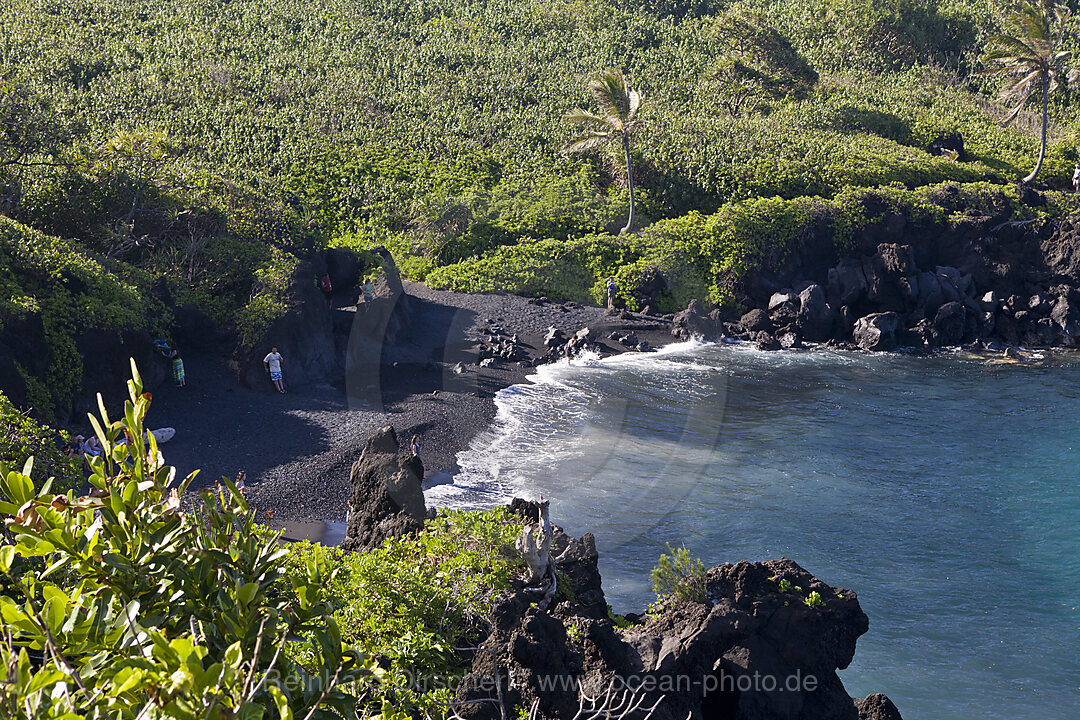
(297,449)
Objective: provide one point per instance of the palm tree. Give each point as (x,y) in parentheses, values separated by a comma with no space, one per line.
(616,122)
(1031,61)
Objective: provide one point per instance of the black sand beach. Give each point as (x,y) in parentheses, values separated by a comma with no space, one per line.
(297,448)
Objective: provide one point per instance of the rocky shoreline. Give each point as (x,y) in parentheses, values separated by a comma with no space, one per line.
(752,640)
(430,362)
(980,281)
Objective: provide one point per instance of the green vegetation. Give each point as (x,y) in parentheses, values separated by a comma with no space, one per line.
(119,604)
(814,600)
(124,604)
(22,438)
(679,576)
(216,146)
(415,600)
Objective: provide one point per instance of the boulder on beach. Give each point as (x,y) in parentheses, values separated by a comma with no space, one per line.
(387,499)
(816,320)
(756,320)
(876,331)
(693,322)
(949,324)
(877,707)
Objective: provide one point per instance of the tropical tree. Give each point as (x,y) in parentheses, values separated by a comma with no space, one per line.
(1031,62)
(617,122)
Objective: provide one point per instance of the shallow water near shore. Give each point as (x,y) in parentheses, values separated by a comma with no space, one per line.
(942,489)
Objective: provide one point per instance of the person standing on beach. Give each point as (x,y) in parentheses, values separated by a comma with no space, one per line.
(176,362)
(272,363)
(1076,178)
(611,293)
(414,445)
(177,368)
(327,287)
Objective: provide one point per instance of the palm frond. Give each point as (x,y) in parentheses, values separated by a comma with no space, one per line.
(577,116)
(586,143)
(1023,88)
(1009,49)
(609,89)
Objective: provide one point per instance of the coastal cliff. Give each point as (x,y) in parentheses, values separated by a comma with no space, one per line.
(906,284)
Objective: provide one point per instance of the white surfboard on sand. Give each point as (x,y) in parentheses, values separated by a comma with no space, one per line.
(164,435)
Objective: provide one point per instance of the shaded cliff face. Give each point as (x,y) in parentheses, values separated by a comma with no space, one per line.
(321,344)
(766,643)
(104,356)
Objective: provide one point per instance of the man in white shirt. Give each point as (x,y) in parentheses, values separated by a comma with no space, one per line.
(272,363)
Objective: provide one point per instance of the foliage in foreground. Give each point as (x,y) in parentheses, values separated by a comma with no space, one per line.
(22,437)
(416,600)
(119,604)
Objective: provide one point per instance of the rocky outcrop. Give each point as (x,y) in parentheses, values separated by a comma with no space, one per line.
(304,336)
(100,357)
(371,328)
(387,499)
(978,278)
(877,707)
(816,319)
(693,322)
(765,642)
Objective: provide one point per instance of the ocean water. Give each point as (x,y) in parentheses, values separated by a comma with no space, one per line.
(944,490)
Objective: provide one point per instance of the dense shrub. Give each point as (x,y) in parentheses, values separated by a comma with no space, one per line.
(678,576)
(21,437)
(416,600)
(703,256)
(71,290)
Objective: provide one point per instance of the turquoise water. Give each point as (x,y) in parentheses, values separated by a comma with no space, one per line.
(943,490)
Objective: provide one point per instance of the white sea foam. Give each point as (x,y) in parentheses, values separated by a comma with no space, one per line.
(555,421)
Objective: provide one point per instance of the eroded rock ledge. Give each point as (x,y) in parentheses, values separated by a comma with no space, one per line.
(754,649)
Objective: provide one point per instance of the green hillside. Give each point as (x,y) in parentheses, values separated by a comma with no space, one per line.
(213,144)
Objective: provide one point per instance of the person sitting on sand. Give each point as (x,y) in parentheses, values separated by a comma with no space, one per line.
(272,363)
(92,448)
(75,447)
